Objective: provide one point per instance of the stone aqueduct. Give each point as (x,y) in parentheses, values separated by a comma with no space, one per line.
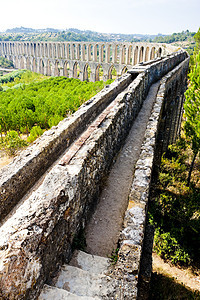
(82,60)
(37,231)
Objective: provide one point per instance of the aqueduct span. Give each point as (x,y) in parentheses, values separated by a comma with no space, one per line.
(49,192)
(79,59)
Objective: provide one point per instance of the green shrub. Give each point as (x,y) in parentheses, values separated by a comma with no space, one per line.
(12,142)
(35,132)
(168,248)
(175,208)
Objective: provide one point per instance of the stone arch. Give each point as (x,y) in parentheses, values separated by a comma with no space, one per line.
(73,52)
(117,54)
(79,51)
(34,49)
(146,54)
(28,64)
(34,65)
(130,55)
(141,55)
(67,48)
(28,49)
(152,54)
(46,50)
(38,50)
(99,73)
(49,67)
(159,53)
(22,62)
(110,53)
(42,50)
(103,53)
(90,52)
(96,53)
(124,70)
(50,50)
(86,72)
(41,66)
(84,52)
(56,68)
(59,50)
(31,49)
(123,54)
(136,55)
(66,69)
(54,51)
(112,73)
(76,70)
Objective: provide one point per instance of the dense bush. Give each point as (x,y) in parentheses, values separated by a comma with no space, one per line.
(175,208)
(35,99)
(11,76)
(5,63)
(12,142)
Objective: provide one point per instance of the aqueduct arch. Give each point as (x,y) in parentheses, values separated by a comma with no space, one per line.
(62,58)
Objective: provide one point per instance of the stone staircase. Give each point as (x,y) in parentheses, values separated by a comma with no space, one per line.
(86,277)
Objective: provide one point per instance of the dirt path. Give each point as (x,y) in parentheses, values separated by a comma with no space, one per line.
(182,276)
(102,233)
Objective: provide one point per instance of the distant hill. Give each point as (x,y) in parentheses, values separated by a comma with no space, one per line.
(183,39)
(71,34)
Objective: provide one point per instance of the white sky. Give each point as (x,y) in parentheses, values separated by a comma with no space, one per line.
(108,16)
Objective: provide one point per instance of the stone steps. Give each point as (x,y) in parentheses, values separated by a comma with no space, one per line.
(84,278)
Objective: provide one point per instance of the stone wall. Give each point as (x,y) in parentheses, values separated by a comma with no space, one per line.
(38,235)
(127,268)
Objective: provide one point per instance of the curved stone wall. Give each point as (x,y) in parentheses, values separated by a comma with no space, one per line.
(81,59)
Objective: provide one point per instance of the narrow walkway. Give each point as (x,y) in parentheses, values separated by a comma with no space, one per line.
(102,232)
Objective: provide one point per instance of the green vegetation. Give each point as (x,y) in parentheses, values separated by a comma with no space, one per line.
(5,63)
(114,256)
(11,77)
(12,142)
(175,205)
(31,103)
(175,37)
(192,111)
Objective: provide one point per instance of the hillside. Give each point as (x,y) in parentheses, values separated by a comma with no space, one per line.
(71,34)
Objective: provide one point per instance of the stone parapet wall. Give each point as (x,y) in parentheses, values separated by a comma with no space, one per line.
(127,268)
(38,235)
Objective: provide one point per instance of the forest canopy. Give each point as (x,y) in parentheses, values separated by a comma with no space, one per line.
(36,100)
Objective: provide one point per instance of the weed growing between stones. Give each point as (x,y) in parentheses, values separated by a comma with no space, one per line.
(114,256)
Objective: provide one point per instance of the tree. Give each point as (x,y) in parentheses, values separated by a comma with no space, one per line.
(197,39)
(192,111)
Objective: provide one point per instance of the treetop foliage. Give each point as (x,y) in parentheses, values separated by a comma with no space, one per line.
(36,100)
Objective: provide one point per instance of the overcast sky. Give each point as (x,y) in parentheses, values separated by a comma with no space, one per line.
(108,16)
